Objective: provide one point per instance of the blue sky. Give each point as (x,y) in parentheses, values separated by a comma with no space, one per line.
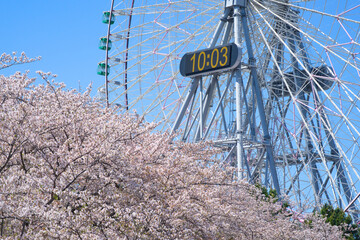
(64,33)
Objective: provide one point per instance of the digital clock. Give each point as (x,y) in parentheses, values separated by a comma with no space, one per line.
(210,60)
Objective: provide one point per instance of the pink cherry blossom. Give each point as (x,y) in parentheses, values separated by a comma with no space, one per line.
(72,169)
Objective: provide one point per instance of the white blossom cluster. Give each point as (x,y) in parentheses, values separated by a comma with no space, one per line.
(8,60)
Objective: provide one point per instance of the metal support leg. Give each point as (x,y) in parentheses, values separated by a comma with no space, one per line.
(209,96)
(189,96)
(255,82)
(201,99)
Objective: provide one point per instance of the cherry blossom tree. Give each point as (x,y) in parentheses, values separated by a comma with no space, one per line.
(71,169)
(8,60)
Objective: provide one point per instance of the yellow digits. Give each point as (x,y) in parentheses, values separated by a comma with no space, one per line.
(201,54)
(212,58)
(224,49)
(193,60)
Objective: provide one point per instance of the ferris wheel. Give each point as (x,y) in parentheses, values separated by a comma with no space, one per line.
(274,83)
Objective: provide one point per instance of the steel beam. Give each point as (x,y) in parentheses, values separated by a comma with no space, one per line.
(256,88)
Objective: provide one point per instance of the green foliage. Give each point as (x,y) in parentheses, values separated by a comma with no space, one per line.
(337,217)
(271,195)
(56,197)
(308,222)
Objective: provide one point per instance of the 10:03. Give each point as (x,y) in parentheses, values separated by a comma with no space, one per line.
(202,59)
(209,60)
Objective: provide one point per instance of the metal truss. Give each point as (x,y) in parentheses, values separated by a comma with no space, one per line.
(229,109)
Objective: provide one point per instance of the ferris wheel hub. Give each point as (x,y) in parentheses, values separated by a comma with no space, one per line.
(323,76)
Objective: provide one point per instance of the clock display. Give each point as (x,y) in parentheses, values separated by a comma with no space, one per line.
(210,60)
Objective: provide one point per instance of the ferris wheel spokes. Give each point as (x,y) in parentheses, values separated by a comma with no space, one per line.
(299,84)
(305,97)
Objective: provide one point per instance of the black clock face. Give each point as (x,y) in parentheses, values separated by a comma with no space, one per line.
(210,60)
